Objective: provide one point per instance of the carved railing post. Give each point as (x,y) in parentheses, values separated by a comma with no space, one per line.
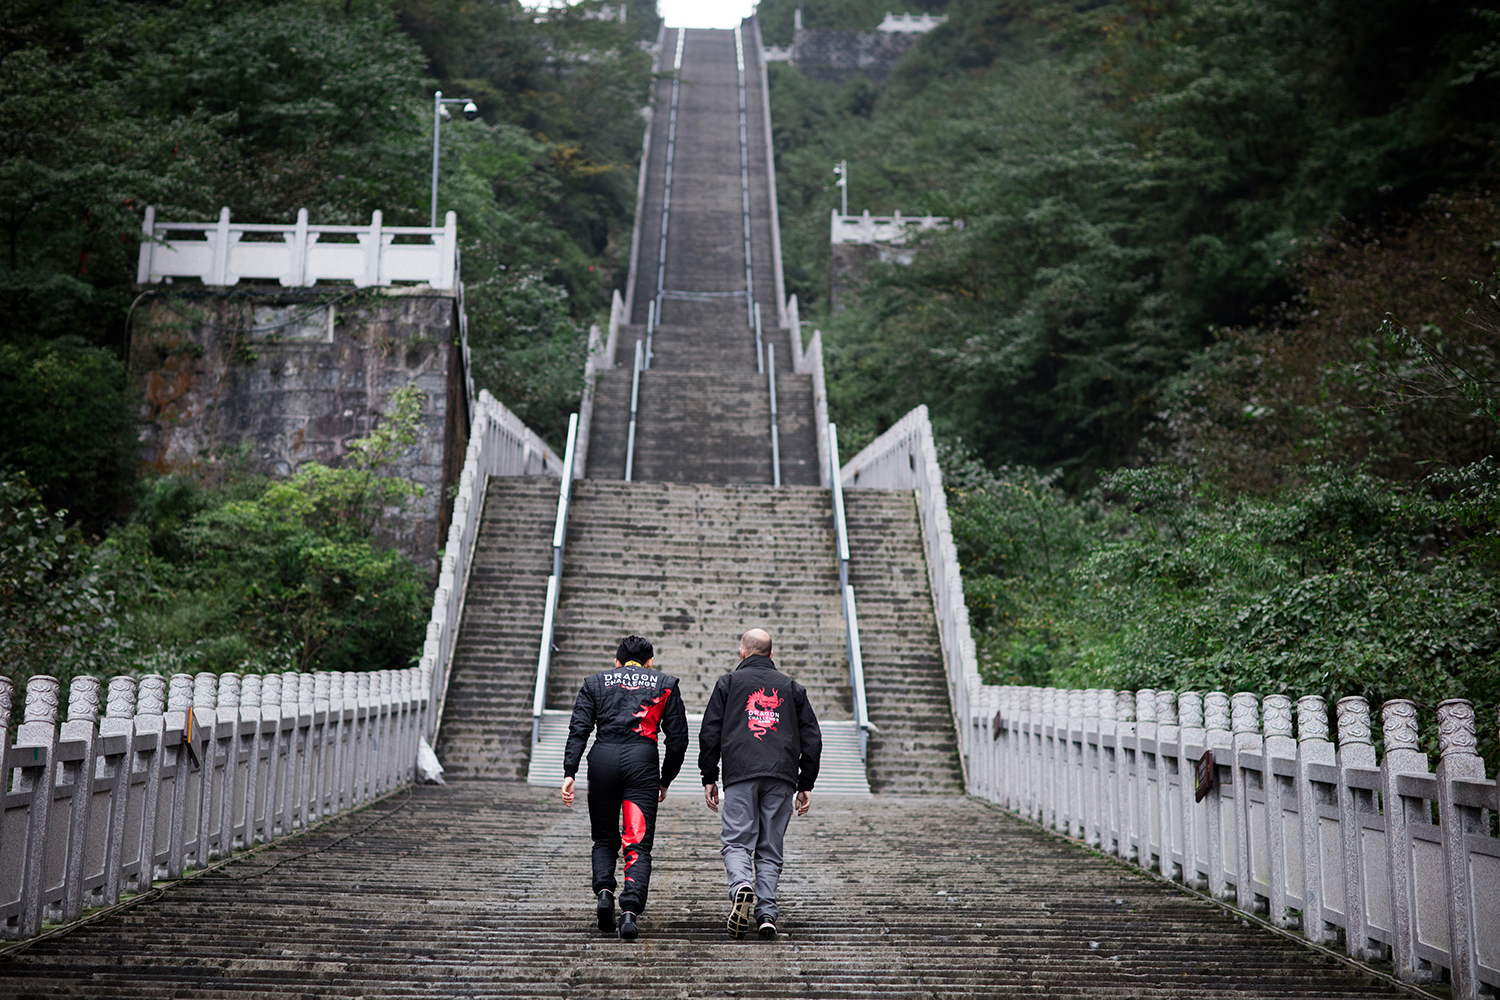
(1192,738)
(1315,797)
(1217,737)
(184,818)
(1125,765)
(205,698)
(116,735)
(1278,772)
(1403,755)
(1147,781)
(1248,754)
(226,747)
(1169,774)
(1459,760)
(248,758)
(291,753)
(33,757)
(146,771)
(1356,754)
(82,731)
(269,821)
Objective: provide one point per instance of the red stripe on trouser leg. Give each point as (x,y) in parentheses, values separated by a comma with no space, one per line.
(635,830)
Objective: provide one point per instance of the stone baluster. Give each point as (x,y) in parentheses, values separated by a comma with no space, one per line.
(1403,755)
(248,747)
(388,731)
(1191,737)
(293,752)
(38,734)
(1147,841)
(1315,752)
(1073,743)
(369,750)
(1091,767)
(1108,766)
(1244,708)
(1218,740)
(1169,797)
(1459,760)
(116,734)
(150,729)
(227,775)
(269,823)
(307,724)
(1283,857)
(183,824)
(353,740)
(205,717)
(1355,752)
(327,726)
(1126,797)
(81,730)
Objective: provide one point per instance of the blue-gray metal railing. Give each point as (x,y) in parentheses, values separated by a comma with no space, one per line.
(635,394)
(739,61)
(846,594)
(760,353)
(775,433)
(666,200)
(650,328)
(554,582)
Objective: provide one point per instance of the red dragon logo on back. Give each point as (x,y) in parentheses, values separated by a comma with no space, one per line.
(761,707)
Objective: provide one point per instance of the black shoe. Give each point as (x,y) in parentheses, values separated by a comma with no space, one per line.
(768,927)
(628,931)
(739,914)
(606,911)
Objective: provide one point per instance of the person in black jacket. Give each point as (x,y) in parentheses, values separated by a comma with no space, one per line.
(758,720)
(628,705)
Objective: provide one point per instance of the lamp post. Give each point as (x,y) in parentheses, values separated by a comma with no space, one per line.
(439,112)
(841,168)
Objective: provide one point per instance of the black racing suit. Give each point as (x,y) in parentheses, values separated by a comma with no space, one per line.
(628,705)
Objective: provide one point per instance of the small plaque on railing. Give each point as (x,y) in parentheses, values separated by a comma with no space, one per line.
(996,726)
(1205,775)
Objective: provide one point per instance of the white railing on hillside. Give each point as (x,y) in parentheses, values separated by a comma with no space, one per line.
(299,255)
(554,582)
(846,597)
(1317,835)
(888,229)
(182,770)
(905,458)
(499,445)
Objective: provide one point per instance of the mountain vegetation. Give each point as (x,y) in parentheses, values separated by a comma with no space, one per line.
(1214,347)
(107,106)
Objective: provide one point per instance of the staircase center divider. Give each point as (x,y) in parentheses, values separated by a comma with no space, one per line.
(775,433)
(739,62)
(846,594)
(635,393)
(186,769)
(554,582)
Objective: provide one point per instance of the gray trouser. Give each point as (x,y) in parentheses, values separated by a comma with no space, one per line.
(756,812)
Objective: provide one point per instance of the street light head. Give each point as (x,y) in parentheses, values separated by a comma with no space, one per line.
(471,111)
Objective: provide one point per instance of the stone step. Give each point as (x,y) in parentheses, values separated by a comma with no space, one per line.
(481,888)
(724,348)
(703,428)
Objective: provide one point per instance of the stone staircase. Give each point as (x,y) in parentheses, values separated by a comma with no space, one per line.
(486,727)
(480,889)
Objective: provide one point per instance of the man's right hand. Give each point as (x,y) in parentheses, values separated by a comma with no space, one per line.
(567,792)
(711,796)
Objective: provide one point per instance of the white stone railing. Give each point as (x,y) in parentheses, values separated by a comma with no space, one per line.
(1399,862)
(298,255)
(911,23)
(182,770)
(888,229)
(905,458)
(499,445)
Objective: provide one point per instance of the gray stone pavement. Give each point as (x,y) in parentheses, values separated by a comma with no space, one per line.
(479,889)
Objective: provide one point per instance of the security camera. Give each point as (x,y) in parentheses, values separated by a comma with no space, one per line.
(443,112)
(471,111)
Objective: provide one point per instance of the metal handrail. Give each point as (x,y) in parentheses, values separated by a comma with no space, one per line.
(739,60)
(666,199)
(651,325)
(554,582)
(635,393)
(846,592)
(775,434)
(760,361)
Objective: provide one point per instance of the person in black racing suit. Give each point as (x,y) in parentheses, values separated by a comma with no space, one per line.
(629,705)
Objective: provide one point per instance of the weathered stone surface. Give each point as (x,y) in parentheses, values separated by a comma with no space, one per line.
(279,379)
(824,54)
(480,889)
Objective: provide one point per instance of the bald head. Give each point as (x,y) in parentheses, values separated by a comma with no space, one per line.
(756,642)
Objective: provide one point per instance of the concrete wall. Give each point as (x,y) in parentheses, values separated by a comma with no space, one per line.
(273,380)
(824,54)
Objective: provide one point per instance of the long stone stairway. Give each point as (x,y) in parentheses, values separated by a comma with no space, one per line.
(480,888)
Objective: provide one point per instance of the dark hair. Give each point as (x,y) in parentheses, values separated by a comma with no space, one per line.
(633,647)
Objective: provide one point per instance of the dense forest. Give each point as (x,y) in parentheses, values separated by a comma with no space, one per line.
(107,106)
(1211,358)
(1213,353)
